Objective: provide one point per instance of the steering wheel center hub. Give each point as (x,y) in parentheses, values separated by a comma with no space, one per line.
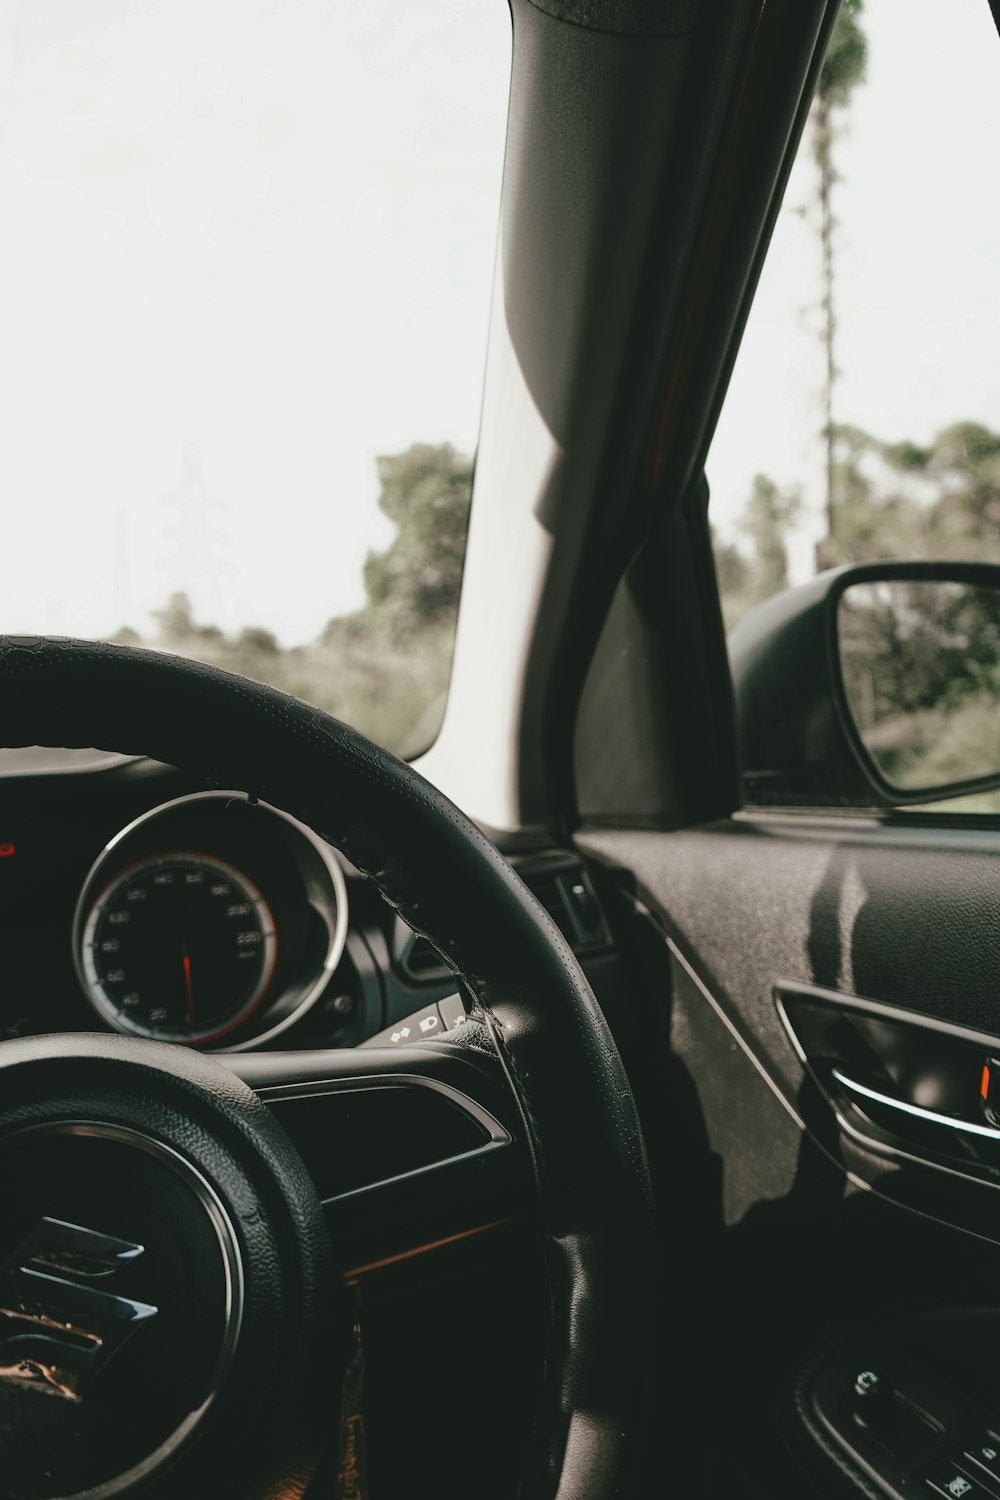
(121,1299)
(165,1287)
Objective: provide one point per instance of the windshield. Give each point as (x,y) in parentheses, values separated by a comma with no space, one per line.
(244,288)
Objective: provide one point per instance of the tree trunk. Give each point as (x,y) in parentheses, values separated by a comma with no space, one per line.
(824,161)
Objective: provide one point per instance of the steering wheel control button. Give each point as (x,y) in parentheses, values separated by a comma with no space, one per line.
(949,1480)
(453,1013)
(422,1025)
(984,1451)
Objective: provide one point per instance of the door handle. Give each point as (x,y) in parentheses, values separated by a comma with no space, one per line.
(914,1111)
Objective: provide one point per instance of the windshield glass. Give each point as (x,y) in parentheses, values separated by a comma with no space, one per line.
(244,288)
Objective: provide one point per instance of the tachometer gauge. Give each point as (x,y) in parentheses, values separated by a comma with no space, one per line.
(180,947)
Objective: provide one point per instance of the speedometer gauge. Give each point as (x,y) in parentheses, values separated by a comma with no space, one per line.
(180,947)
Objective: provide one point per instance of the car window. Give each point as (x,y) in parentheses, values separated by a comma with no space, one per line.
(244,286)
(863,419)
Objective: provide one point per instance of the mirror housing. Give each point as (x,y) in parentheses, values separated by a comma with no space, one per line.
(799,743)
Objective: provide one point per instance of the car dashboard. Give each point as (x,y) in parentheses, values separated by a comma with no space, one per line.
(138,898)
(421,1195)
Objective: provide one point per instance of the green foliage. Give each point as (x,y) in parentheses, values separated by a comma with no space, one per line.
(921,659)
(175,620)
(177,628)
(748,576)
(941,745)
(846,59)
(769,514)
(904,500)
(843,69)
(414,585)
(384,668)
(257,641)
(732,567)
(922,662)
(918,645)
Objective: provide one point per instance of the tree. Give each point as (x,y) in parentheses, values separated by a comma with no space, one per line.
(175,621)
(255,639)
(963,463)
(126,636)
(909,500)
(843,69)
(176,625)
(769,514)
(389,662)
(874,515)
(386,666)
(751,573)
(731,567)
(415,583)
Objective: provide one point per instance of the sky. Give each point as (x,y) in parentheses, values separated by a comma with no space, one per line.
(917,267)
(248,245)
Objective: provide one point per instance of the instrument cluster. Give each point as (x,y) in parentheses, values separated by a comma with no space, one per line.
(210,920)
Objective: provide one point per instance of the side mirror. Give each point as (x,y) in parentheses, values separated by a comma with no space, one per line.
(874,685)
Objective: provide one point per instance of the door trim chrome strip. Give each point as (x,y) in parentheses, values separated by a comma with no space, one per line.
(928,1116)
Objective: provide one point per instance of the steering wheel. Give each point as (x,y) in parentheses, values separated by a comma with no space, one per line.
(171,1318)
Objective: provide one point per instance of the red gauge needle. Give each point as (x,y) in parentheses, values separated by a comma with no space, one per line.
(187,986)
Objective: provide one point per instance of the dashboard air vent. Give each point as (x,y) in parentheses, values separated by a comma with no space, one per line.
(568,897)
(422,962)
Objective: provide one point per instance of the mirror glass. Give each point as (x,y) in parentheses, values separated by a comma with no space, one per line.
(921,666)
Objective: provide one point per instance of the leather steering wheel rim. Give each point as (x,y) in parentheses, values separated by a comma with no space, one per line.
(450,883)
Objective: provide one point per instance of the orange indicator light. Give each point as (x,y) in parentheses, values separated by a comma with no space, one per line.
(984,1086)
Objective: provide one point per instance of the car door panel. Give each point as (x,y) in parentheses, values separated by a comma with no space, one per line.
(811,1226)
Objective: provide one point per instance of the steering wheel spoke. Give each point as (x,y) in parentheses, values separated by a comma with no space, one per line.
(411,1150)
